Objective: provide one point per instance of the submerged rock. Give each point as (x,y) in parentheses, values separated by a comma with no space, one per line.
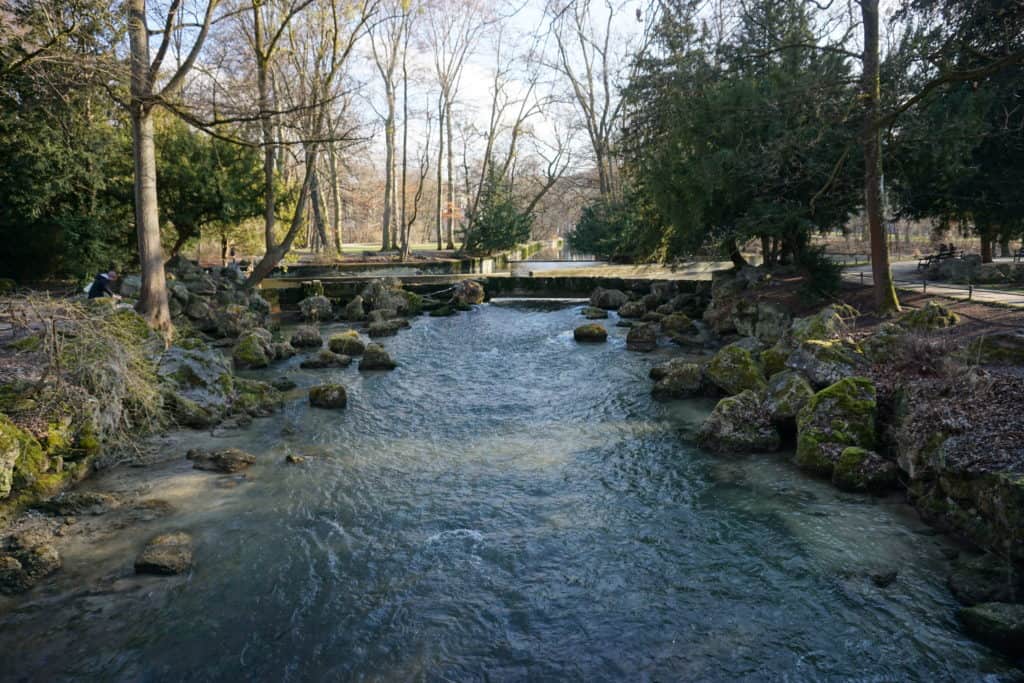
(283,384)
(306,337)
(997,624)
(80,503)
(739,424)
(835,418)
(25,560)
(225,460)
(608,299)
(591,332)
(292,459)
(594,313)
(166,555)
(331,396)
(733,370)
(642,337)
(347,343)
(985,578)
(326,359)
(375,357)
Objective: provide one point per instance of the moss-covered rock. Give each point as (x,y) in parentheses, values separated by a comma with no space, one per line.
(682,380)
(316,308)
(413,303)
(375,357)
(788,392)
(19,453)
(997,624)
(764,320)
(307,337)
(739,424)
(331,396)
(632,309)
(773,359)
(591,332)
(198,384)
(932,316)
(594,313)
(977,579)
(442,311)
(25,559)
(325,358)
(355,310)
(255,349)
(883,344)
(830,322)
(255,398)
(861,470)
(642,337)
(835,418)
(676,323)
(826,362)
(347,343)
(386,328)
(733,369)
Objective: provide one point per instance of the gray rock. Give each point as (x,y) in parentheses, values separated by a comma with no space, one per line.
(739,424)
(997,624)
(347,342)
(225,460)
(608,299)
(354,310)
(680,380)
(199,382)
(788,392)
(985,578)
(331,396)
(316,308)
(306,337)
(642,337)
(81,503)
(826,362)
(166,555)
(326,359)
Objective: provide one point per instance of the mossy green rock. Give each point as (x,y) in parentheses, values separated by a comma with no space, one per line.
(594,313)
(861,470)
(413,303)
(676,323)
(788,392)
(829,323)
(632,309)
(347,343)
(998,624)
(255,349)
(836,417)
(773,359)
(376,357)
(591,332)
(199,385)
(307,337)
(682,380)
(733,370)
(331,396)
(21,456)
(933,316)
(442,311)
(826,362)
(739,424)
(883,344)
(255,398)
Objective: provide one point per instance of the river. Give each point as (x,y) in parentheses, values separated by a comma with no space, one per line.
(506,505)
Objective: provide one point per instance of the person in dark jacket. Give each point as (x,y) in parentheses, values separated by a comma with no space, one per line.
(103,285)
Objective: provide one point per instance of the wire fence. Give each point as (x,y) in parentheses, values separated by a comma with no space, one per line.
(952,291)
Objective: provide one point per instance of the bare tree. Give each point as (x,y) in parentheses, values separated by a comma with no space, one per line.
(144,97)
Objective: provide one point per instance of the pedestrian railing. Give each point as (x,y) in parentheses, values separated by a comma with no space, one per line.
(966,292)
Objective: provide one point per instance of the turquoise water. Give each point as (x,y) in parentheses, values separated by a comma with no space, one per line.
(507,505)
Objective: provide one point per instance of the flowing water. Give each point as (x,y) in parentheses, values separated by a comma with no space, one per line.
(507,505)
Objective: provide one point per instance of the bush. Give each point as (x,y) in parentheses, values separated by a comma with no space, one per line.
(824,276)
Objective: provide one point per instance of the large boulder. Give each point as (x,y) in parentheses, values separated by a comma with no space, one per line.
(733,369)
(199,385)
(826,362)
(837,417)
(739,424)
(233,320)
(766,321)
(680,379)
(255,349)
(16,445)
(375,357)
(167,554)
(316,308)
(608,299)
(382,294)
(347,343)
(997,624)
(788,392)
(591,332)
(864,471)
(985,578)
(355,311)
(224,460)
(642,337)
(331,396)
(255,398)
(677,323)
(830,322)
(307,337)
(632,309)
(932,316)
(468,292)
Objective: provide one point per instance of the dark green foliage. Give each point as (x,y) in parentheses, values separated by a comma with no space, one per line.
(204,180)
(824,275)
(498,222)
(619,229)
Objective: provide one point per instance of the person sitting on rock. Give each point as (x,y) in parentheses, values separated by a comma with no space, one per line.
(103,284)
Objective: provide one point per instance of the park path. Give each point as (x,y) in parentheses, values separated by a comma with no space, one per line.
(908,277)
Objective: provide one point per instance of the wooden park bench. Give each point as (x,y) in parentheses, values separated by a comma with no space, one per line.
(1018,255)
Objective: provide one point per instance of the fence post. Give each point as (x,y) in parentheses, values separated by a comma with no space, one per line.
(862,278)
(925,287)
(970,292)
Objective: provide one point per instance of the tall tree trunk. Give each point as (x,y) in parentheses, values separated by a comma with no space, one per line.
(335,198)
(886,300)
(1004,246)
(223,249)
(986,248)
(273,256)
(153,303)
(389,169)
(449,226)
(440,167)
(319,224)
(402,226)
(735,255)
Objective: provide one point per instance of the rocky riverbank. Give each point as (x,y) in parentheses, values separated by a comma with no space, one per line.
(907,405)
(81,383)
